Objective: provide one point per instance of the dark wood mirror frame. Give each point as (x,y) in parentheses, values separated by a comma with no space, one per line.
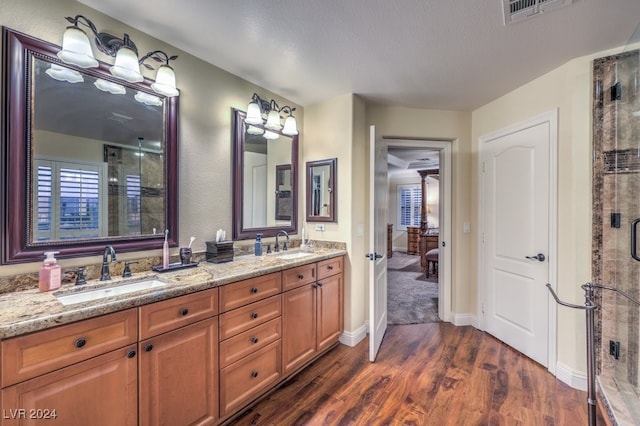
(16,160)
(239,231)
(332,208)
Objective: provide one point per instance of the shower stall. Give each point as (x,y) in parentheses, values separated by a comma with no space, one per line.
(616,228)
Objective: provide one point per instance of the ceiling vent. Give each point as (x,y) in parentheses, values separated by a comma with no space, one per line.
(518,10)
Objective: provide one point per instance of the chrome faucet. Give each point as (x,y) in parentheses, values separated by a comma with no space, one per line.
(108,250)
(276,247)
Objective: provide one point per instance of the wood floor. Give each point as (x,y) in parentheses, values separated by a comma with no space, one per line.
(425,374)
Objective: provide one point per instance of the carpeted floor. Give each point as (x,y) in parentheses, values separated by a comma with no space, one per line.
(412,298)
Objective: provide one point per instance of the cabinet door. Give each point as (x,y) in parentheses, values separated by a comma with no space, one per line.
(299,327)
(179,376)
(100,391)
(330,314)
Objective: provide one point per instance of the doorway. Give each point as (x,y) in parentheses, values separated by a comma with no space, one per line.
(419,297)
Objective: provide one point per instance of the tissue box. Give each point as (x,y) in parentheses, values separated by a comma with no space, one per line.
(220,251)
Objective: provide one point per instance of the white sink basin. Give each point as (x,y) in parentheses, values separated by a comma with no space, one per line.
(71,298)
(294,255)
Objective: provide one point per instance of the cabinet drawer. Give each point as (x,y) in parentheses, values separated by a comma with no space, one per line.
(34,354)
(237,347)
(242,319)
(244,380)
(295,277)
(329,267)
(170,314)
(242,293)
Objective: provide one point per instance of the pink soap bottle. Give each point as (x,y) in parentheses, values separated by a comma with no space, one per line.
(50,274)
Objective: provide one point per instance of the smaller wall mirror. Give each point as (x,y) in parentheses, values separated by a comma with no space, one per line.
(321,190)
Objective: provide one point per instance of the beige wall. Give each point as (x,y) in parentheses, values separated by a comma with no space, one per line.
(454,126)
(567,88)
(207,95)
(332,131)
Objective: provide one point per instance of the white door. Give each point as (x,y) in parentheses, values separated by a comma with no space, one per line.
(517,189)
(378,212)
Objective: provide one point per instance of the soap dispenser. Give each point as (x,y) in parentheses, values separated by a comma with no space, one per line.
(257,250)
(50,275)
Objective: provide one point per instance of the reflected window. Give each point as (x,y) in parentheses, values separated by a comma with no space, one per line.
(69,200)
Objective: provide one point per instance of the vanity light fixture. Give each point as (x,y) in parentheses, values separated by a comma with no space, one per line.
(76,50)
(259,107)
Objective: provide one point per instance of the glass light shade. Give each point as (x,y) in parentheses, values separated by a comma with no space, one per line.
(253,130)
(147,99)
(273,120)
(109,86)
(126,65)
(76,49)
(290,126)
(254,115)
(270,135)
(165,83)
(60,73)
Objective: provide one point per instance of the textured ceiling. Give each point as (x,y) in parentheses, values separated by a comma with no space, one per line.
(440,54)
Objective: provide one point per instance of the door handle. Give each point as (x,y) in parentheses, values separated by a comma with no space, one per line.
(539,257)
(373,256)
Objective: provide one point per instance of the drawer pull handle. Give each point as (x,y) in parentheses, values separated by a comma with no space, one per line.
(81,342)
(148,348)
(184,311)
(330,267)
(254,340)
(131,354)
(300,276)
(314,285)
(254,290)
(254,315)
(254,374)
(319,284)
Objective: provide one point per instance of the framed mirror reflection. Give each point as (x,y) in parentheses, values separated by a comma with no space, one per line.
(321,190)
(90,161)
(264,180)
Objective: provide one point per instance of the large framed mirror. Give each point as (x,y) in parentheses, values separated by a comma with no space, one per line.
(321,190)
(260,165)
(89,160)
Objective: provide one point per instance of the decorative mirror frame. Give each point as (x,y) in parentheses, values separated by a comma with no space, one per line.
(333,165)
(17,154)
(239,231)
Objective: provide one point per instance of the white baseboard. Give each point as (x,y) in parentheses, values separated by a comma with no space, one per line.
(352,338)
(463,319)
(575,379)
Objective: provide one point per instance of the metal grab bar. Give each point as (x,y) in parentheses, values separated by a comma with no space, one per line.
(589,308)
(634,239)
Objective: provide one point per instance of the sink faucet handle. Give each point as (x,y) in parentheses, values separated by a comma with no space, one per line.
(268,248)
(80,279)
(127,270)
(284,246)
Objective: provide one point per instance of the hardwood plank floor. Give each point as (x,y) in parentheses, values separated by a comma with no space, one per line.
(425,374)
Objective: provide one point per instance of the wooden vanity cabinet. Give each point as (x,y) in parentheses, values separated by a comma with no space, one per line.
(312,316)
(178,362)
(250,340)
(76,374)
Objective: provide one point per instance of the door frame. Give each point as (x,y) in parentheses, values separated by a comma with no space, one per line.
(445,267)
(550,117)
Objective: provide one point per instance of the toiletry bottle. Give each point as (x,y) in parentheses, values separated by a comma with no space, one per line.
(257,250)
(50,274)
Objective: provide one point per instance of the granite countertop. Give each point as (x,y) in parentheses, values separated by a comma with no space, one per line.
(31,310)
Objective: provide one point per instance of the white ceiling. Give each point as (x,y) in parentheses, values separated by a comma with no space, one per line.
(440,54)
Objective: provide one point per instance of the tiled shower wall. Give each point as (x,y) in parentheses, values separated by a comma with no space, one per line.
(616,202)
